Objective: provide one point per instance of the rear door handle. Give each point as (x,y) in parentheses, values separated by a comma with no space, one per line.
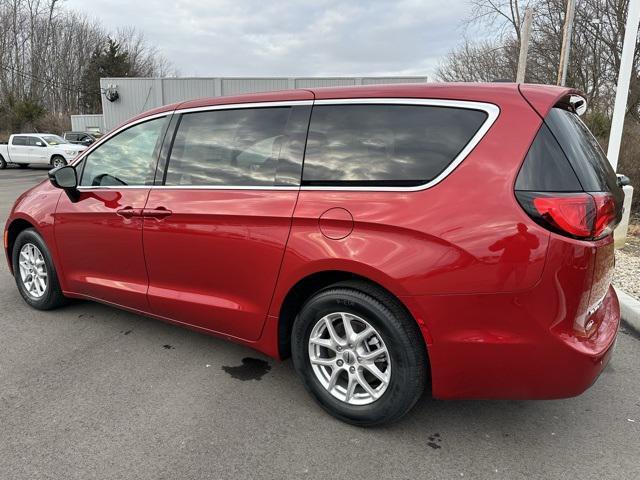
(129,212)
(157,213)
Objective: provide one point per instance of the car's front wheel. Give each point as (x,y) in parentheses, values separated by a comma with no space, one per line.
(58,161)
(35,273)
(359,354)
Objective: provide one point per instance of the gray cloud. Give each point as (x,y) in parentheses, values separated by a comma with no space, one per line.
(280,38)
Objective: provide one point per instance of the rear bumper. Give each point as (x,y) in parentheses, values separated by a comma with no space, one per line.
(512,346)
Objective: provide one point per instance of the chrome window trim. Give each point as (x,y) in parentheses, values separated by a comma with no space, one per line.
(228,106)
(87,188)
(236,106)
(490,109)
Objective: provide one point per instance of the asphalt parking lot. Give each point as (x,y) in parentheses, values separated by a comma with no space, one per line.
(89,391)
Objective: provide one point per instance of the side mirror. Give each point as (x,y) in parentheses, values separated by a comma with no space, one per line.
(65,177)
(40,144)
(87,141)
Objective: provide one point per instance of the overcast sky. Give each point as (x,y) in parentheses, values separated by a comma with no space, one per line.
(282,37)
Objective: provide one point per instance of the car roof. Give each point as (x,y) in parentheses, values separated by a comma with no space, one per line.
(541,97)
(32,134)
(453,91)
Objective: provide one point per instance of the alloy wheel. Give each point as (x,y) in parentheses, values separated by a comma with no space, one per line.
(33,270)
(349,358)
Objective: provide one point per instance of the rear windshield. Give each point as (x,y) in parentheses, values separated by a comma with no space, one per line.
(583,151)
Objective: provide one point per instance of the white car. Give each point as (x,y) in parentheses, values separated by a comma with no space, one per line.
(25,149)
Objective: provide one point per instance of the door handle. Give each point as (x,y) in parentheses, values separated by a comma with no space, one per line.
(129,212)
(157,213)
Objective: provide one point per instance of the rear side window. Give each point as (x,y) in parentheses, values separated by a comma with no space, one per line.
(582,150)
(239,147)
(385,145)
(546,168)
(20,141)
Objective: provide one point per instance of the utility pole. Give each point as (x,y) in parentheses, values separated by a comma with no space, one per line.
(624,76)
(566,42)
(525,34)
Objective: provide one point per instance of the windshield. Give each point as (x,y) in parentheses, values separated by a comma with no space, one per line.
(54,139)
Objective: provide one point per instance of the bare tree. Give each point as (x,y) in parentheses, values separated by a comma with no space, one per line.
(146,60)
(595,56)
(594,63)
(507,15)
(479,62)
(44,52)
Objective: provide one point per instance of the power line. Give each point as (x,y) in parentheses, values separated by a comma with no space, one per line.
(50,83)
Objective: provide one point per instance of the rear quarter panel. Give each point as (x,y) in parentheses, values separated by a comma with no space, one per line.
(467,234)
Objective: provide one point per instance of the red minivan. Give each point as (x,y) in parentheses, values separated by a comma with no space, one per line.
(455,237)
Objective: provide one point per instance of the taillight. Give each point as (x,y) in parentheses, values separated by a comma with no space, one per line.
(606,214)
(572,214)
(586,216)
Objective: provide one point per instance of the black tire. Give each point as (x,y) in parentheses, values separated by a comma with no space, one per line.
(400,334)
(52,296)
(59,159)
(3,163)
(23,165)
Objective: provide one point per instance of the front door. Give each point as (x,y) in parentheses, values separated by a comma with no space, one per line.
(38,153)
(99,237)
(216,230)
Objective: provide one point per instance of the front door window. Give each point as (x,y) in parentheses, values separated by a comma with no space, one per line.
(127,159)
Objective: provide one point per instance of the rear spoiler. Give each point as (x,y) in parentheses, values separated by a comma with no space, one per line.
(574,103)
(543,98)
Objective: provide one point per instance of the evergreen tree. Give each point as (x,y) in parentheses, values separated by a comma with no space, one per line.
(109,61)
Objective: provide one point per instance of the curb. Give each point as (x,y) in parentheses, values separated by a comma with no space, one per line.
(629,310)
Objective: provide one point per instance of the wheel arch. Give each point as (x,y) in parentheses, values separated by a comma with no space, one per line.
(16,226)
(54,155)
(309,285)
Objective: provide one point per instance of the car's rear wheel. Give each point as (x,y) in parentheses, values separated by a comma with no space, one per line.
(35,273)
(3,163)
(359,354)
(58,161)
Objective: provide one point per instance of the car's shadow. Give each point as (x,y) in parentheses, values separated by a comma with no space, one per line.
(430,418)
(30,167)
(26,170)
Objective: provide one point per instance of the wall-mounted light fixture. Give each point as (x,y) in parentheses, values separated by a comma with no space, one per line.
(111,92)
